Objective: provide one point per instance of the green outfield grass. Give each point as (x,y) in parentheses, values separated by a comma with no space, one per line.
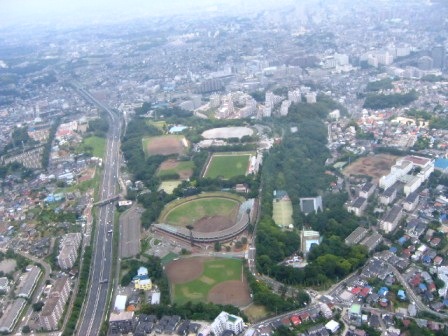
(189,212)
(282,212)
(215,272)
(169,185)
(227,165)
(182,166)
(93,145)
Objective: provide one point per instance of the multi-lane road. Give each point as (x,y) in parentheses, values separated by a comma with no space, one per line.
(96,305)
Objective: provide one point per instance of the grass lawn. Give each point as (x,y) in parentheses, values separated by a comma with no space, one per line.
(215,272)
(191,211)
(181,166)
(169,186)
(168,258)
(227,165)
(93,145)
(282,212)
(161,125)
(255,312)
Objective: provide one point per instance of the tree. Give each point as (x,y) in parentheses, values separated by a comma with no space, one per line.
(26,329)
(37,307)
(218,246)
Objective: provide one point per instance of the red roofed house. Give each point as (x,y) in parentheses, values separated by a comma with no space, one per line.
(435,241)
(295,320)
(416,280)
(438,260)
(365,292)
(432,287)
(356,290)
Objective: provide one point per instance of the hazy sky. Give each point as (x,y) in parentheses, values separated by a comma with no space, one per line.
(18,12)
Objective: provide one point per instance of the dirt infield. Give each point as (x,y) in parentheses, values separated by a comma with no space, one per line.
(374,166)
(185,270)
(165,145)
(213,224)
(232,292)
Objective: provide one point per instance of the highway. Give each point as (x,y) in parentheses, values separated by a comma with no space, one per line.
(96,305)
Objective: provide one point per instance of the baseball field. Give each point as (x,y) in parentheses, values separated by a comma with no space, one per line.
(204,279)
(207,212)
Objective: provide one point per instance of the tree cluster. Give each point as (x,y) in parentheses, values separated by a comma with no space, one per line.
(191,311)
(300,160)
(99,127)
(383,84)
(382,101)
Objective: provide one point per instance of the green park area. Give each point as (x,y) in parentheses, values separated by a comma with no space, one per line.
(93,145)
(169,186)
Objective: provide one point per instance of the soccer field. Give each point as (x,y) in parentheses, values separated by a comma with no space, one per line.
(282,212)
(227,165)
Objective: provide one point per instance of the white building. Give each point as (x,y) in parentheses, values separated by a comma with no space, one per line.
(284,109)
(402,168)
(68,252)
(332,326)
(311,97)
(28,282)
(295,96)
(226,321)
(11,315)
(120,303)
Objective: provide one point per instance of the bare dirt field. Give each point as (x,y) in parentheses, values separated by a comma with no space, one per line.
(166,145)
(234,292)
(87,175)
(185,270)
(374,166)
(8,266)
(213,224)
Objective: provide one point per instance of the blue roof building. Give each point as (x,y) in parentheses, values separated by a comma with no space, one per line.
(423,287)
(402,240)
(401,294)
(383,291)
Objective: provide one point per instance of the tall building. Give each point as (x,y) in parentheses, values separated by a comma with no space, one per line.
(28,282)
(225,321)
(438,57)
(69,250)
(54,306)
(295,96)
